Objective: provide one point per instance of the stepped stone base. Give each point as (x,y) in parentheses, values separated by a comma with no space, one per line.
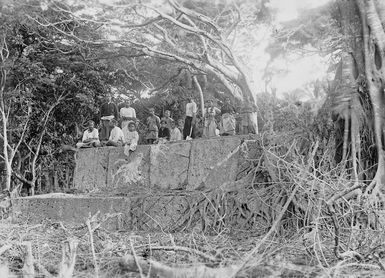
(157,188)
(164,212)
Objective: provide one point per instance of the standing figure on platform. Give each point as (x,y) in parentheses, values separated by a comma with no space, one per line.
(210,125)
(153,124)
(127,114)
(108,111)
(167,118)
(189,122)
(90,137)
(228,122)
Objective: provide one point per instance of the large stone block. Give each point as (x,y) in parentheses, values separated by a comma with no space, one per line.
(249,157)
(191,165)
(91,169)
(164,212)
(127,174)
(70,209)
(169,165)
(213,162)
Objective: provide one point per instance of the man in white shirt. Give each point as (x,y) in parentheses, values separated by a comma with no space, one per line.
(127,114)
(90,137)
(116,138)
(189,122)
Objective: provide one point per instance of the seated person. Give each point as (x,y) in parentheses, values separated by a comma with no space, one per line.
(131,138)
(175,134)
(164,132)
(90,137)
(116,138)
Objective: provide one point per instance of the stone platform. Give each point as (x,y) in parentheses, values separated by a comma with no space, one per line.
(154,189)
(187,165)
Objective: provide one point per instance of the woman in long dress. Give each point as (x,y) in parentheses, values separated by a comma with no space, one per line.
(210,125)
(227,120)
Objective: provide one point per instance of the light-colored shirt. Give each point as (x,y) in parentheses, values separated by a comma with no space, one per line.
(175,134)
(94,134)
(116,135)
(127,112)
(130,137)
(191,109)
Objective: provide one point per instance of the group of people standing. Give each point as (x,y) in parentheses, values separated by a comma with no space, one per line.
(110,132)
(227,122)
(119,126)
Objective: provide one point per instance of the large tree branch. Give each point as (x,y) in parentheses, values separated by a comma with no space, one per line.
(171,79)
(375,24)
(198,16)
(179,50)
(147,22)
(21,139)
(197,32)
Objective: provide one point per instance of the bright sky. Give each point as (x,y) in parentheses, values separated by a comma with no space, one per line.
(298,71)
(290,9)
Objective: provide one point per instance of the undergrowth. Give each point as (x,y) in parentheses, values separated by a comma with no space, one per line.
(288,214)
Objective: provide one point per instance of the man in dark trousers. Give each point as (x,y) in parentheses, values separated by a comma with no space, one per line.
(108,111)
(189,122)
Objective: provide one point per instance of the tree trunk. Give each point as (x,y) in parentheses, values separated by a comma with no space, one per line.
(202,101)
(55,181)
(249,98)
(374,47)
(67,179)
(47,180)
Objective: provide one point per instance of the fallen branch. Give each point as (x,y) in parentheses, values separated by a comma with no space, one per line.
(91,232)
(136,259)
(184,249)
(4,248)
(271,231)
(156,269)
(68,260)
(332,213)
(28,268)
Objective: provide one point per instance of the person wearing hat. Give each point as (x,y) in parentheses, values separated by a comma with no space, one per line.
(131,137)
(210,126)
